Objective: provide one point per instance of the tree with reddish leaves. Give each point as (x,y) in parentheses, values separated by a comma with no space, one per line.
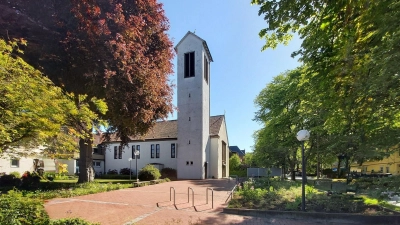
(114,50)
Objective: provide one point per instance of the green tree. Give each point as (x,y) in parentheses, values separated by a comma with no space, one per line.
(32,109)
(278,111)
(349,51)
(249,160)
(234,162)
(98,50)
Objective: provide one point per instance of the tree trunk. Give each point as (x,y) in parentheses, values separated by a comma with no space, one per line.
(86,171)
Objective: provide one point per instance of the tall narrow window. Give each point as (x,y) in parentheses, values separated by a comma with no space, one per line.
(138,149)
(223,151)
(133,152)
(115,152)
(173,155)
(152,151)
(157,151)
(205,69)
(189,64)
(120,152)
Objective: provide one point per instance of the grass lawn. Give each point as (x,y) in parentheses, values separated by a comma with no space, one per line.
(113,181)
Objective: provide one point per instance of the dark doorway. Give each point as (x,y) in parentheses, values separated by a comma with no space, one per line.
(205,169)
(223,159)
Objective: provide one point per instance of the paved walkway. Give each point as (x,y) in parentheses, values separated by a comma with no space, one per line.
(152,205)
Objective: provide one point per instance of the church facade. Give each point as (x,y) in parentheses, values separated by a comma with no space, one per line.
(196,144)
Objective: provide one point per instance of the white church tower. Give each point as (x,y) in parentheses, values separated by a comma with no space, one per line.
(193,77)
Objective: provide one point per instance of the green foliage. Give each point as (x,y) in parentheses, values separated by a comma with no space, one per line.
(16,174)
(30,180)
(125,171)
(112,172)
(240,172)
(65,190)
(169,173)
(234,162)
(9,180)
(279,104)
(32,108)
(249,193)
(347,94)
(295,205)
(149,172)
(274,194)
(71,221)
(19,210)
(250,160)
(115,176)
(112,60)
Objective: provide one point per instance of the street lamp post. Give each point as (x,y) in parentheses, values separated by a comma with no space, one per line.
(130,170)
(137,153)
(303,135)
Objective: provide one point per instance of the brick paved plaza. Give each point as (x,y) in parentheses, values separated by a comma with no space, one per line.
(152,205)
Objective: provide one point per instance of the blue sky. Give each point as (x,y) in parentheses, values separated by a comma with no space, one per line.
(240,70)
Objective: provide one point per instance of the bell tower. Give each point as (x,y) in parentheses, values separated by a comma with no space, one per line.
(193,89)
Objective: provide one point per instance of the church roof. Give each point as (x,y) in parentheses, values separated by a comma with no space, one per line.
(169,130)
(203,41)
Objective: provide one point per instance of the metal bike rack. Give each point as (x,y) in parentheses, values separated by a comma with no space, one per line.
(171,193)
(212,197)
(236,178)
(192,196)
(230,196)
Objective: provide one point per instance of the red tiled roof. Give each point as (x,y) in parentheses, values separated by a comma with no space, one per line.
(169,129)
(215,125)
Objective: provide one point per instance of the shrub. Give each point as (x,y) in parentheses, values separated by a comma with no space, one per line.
(149,172)
(249,193)
(71,221)
(16,174)
(9,180)
(30,180)
(169,173)
(112,172)
(15,209)
(293,205)
(114,176)
(238,172)
(49,174)
(125,171)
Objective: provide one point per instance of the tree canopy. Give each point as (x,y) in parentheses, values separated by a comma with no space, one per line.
(116,51)
(350,82)
(32,109)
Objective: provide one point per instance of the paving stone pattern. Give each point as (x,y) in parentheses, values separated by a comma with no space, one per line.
(152,205)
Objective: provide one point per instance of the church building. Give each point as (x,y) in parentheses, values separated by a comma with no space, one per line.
(196,144)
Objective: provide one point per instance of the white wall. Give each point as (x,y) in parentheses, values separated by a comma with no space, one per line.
(25,164)
(216,153)
(145,155)
(98,169)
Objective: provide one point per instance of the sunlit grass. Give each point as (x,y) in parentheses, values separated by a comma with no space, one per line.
(370,201)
